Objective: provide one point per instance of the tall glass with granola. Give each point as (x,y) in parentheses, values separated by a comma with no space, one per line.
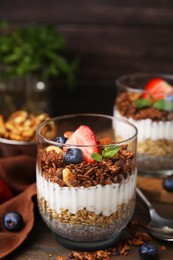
(86,178)
(146,100)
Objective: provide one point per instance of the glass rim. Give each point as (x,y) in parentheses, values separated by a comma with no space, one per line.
(16,142)
(121,81)
(68,116)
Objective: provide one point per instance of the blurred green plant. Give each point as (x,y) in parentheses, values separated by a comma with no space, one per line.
(35,49)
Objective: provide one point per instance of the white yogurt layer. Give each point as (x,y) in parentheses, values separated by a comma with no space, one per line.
(150,129)
(98,199)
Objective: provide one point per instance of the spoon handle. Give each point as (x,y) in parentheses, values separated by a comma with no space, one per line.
(143,198)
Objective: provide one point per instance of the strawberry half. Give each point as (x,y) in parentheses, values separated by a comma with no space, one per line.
(84,136)
(157,88)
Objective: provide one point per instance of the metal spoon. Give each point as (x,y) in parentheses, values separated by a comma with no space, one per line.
(159,227)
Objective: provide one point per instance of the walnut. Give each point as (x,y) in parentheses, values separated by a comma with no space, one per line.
(21,126)
(67,176)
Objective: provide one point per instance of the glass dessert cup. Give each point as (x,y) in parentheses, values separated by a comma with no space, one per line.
(146,100)
(86,182)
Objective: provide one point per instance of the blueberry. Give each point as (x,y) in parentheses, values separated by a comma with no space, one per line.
(73,155)
(13,221)
(168,183)
(170,98)
(148,251)
(60,140)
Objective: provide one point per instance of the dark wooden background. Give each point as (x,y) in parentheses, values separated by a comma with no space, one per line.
(111,37)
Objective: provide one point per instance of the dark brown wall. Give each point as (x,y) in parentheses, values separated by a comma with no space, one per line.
(112,37)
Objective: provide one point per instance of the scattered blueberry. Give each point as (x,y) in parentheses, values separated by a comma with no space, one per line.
(73,155)
(148,251)
(170,98)
(168,183)
(61,140)
(13,221)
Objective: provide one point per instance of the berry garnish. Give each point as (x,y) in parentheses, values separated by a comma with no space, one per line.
(5,192)
(148,251)
(169,98)
(168,183)
(85,137)
(73,155)
(157,88)
(60,140)
(13,221)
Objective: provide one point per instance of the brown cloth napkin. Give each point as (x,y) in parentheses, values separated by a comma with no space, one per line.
(18,173)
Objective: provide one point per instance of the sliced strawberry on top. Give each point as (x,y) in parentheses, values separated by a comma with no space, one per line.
(157,88)
(84,136)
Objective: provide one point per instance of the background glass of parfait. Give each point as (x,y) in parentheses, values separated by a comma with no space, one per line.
(86,178)
(146,100)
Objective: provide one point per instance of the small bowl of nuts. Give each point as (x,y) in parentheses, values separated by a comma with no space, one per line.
(18,133)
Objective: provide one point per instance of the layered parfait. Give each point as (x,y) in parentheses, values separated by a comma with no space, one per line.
(147,102)
(86,182)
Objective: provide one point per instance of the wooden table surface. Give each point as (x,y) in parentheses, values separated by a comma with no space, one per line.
(41,244)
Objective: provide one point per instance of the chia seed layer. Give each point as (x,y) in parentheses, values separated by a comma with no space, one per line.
(94,227)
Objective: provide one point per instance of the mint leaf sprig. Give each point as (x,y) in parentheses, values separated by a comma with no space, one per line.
(142,103)
(108,152)
(160,104)
(163,104)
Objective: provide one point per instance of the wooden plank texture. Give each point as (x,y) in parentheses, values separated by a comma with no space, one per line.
(110,37)
(97,11)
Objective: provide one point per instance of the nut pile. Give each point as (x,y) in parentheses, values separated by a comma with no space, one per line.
(21,125)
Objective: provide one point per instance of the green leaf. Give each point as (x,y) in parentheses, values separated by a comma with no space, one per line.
(142,102)
(163,104)
(96,156)
(4,25)
(35,49)
(110,151)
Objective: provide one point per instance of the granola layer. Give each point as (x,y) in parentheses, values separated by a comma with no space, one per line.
(125,106)
(85,174)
